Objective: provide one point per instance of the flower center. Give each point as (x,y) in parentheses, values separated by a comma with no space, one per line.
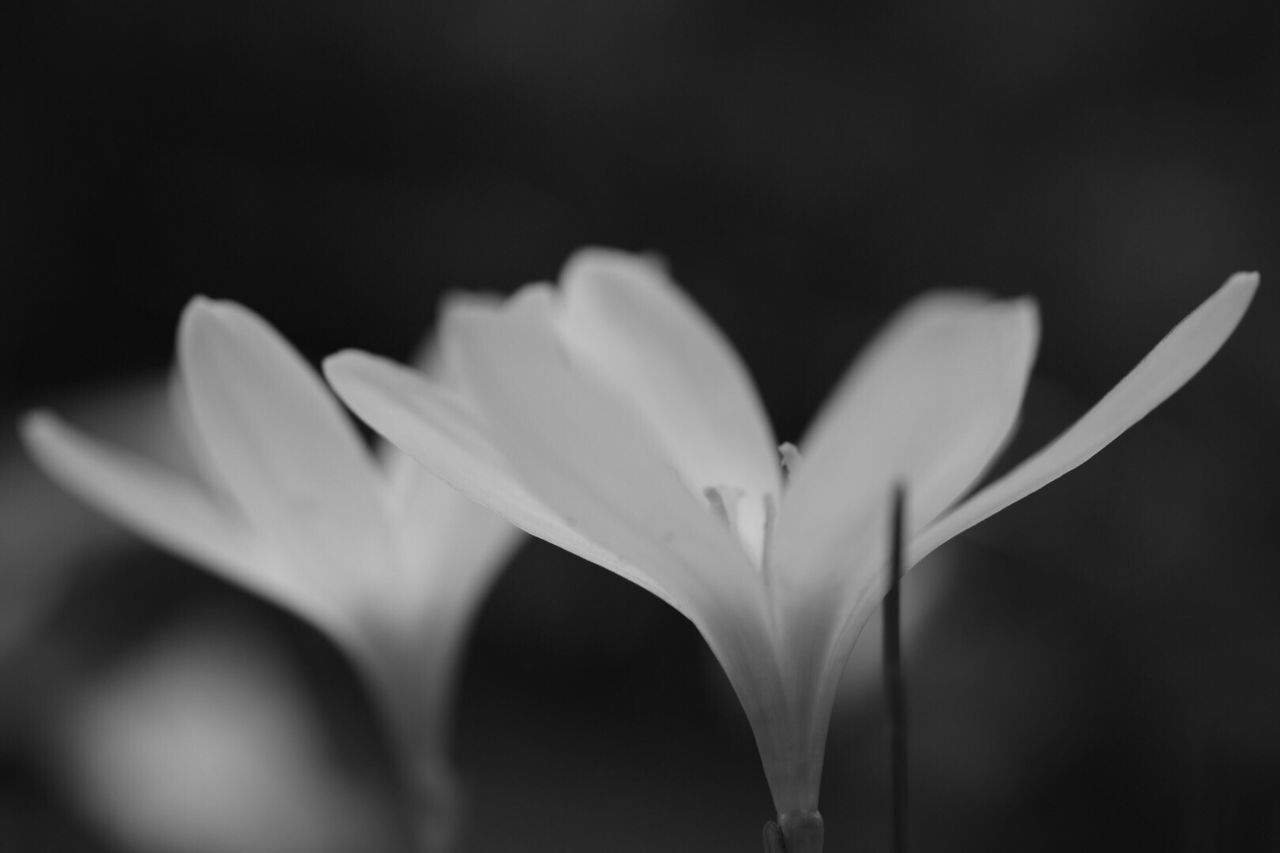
(788,459)
(749,516)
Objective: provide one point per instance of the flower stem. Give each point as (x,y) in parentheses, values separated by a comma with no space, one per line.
(794,832)
(411,677)
(432,797)
(895,697)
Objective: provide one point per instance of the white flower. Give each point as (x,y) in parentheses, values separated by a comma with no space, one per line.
(386,559)
(610,417)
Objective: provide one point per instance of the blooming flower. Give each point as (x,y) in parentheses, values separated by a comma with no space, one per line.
(610,417)
(386,559)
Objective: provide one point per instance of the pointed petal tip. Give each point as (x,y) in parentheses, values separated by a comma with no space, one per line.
(1229,303)
(460,309)
(1025,311)
(594,255)
(532,302)
(1244,284)
(590,261)
(199,307)
(538,290)
(1026,304)
(339,359)
(222,325)
(453,302)
(353,373)
(343,365)
(202,313)
(35,424)
(1173,362)
(1029,311)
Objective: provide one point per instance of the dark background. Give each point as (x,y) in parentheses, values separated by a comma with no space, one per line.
(1097,668)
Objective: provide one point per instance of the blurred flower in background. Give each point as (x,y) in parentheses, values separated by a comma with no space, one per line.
(385,559)
(42,534)
(207,743)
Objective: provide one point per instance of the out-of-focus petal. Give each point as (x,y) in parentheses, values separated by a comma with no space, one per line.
(451,547)
(209,741)
(928,406)
(439,428)
(189,439)
(438,525)
(287,452)
(428,358)
(451,551)
(649,342)
(172,511)
(582,451)
(1177,358)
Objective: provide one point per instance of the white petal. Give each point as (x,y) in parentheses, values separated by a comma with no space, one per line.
(817,633)
(586,455)
(439,429)
(928,406)
(171,511)
(452,547)
(648,341)
(429,360)
(285,449)
(1177,358)
(191,441)
(452,550)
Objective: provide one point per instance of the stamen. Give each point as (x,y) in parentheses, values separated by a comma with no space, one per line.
(767,538)
(715,496)
(749,516)
(789,458)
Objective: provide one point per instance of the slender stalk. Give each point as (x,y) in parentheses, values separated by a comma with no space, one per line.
(794,832)
(412,677)
(802,832)
(432,797)
(895,698)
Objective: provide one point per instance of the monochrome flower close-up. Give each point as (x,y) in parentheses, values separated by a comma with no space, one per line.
(389,561)
(610,417)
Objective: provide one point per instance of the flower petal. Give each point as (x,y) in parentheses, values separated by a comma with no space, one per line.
(452,546)
(586,455)
(928,406)
(1177,358)
(644,337)
(451,550)
(286,451)
(176,513)
(439,428)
